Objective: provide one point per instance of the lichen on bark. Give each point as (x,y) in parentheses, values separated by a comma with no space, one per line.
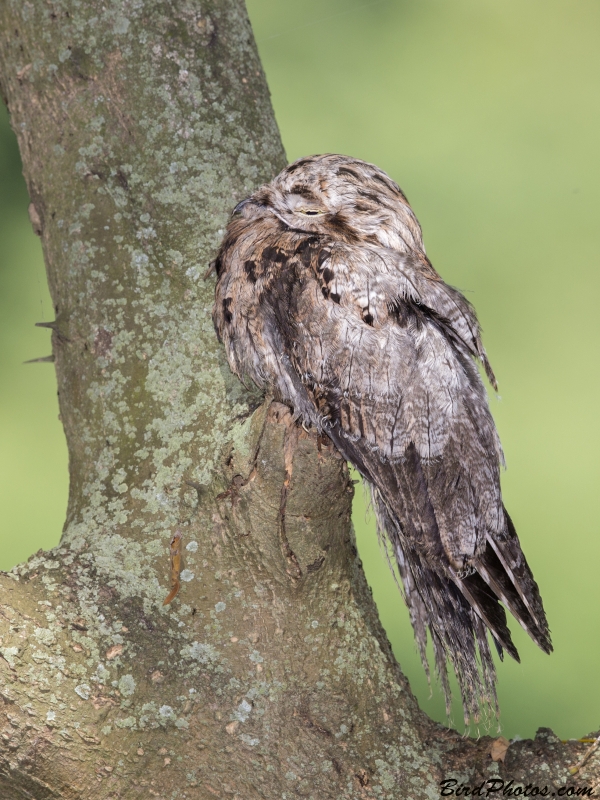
(141,123)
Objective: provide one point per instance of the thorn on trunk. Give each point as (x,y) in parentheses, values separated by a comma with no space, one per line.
(40,360)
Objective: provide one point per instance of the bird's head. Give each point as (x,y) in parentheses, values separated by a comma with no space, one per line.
(338,196)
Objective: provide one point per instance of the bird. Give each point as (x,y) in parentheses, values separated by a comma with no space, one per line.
(325,298)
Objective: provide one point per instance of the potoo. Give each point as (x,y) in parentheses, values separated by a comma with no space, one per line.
(325,296)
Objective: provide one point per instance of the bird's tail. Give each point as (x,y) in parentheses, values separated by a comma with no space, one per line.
(458,610)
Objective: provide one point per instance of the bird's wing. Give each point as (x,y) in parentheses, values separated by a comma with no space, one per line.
(383,350)
(392,373)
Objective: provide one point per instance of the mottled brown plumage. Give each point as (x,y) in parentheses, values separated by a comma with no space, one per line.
(325,296)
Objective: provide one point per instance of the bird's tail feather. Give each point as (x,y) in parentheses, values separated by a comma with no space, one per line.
(508,572)
(459,610)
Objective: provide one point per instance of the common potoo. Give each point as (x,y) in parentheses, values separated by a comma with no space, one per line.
(325,296)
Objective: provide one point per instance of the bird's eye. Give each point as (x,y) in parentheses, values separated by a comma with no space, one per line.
(309,212)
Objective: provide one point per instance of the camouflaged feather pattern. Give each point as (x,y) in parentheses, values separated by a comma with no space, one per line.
(325,297)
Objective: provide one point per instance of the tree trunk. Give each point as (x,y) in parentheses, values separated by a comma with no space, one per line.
(141,123)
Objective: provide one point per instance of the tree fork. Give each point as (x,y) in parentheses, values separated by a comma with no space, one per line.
(140,126)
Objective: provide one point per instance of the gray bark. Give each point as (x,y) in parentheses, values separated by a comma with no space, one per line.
(140,125)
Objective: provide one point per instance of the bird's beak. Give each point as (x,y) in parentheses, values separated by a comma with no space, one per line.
(240,206)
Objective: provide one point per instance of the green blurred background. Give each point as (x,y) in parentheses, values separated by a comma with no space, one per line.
(488,116)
